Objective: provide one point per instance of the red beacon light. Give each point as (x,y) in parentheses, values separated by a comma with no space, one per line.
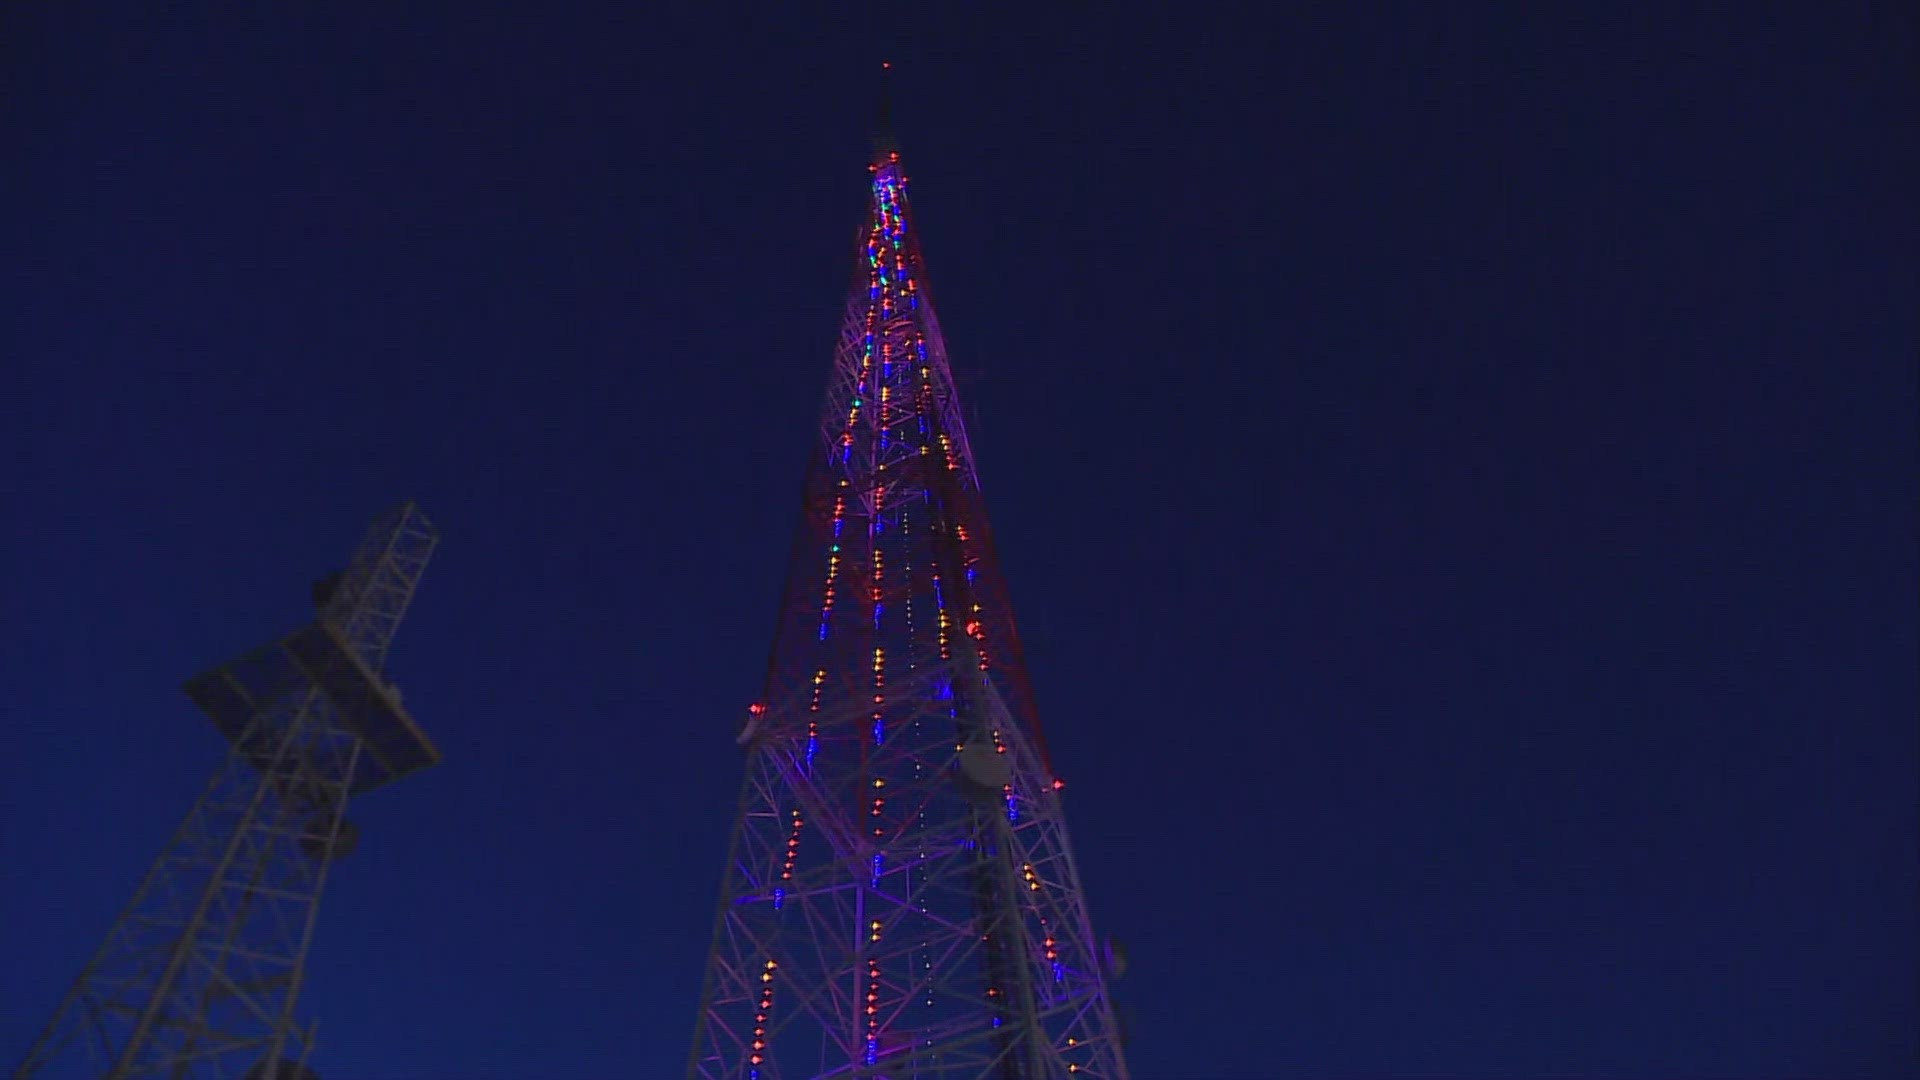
(1059,784)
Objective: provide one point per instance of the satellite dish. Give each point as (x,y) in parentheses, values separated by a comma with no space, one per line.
(756,720)
(985,766)
(982,774)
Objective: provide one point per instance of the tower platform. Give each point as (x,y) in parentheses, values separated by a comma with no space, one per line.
(315,657)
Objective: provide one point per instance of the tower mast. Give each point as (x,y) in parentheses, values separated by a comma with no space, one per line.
(199,976)
(900,899)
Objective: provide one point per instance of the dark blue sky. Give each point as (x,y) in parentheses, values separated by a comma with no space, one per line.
(1455,466)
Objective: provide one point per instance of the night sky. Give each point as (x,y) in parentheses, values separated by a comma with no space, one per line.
(1455,466)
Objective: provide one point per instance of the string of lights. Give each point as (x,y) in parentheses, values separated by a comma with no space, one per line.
(869,811)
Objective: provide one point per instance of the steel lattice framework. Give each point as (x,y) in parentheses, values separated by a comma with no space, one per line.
(199,976)
(900,899)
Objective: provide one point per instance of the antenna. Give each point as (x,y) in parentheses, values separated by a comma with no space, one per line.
(200,975)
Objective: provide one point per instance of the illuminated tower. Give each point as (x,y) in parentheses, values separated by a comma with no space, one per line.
(199,976)
(899,900)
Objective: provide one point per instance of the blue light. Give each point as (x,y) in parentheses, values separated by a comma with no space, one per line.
(873,1049)
(1059,973)
(779,898)
(813,747)
(879,731)
(878,861)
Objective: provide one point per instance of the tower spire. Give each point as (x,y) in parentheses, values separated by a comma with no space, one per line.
(885,146)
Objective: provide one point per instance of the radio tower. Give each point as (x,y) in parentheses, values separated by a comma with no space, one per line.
(199,976)
(899,900)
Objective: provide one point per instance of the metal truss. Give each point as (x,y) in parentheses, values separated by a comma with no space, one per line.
(973,916)
(900,899)
(373,594)
(199,976)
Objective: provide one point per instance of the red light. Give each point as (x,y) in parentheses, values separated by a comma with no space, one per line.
(1059,784)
